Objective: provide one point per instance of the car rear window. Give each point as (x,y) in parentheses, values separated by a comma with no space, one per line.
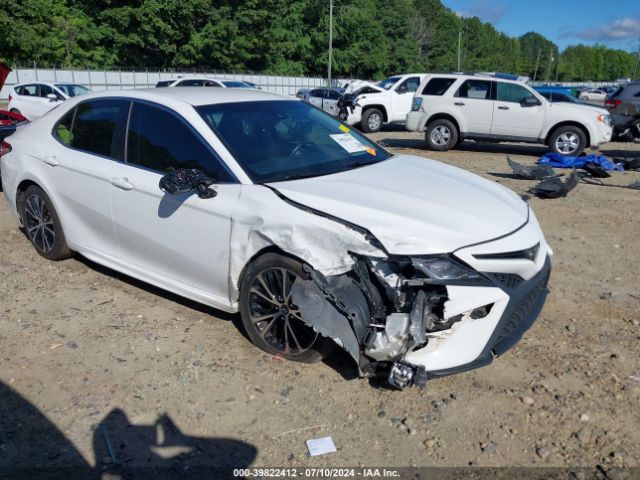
(437,86)
(98,127)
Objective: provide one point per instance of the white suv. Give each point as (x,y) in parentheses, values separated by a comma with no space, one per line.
(451,108)
(373,105)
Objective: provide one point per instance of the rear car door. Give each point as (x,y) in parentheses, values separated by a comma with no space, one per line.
(87,154)
(330,104)
(512,116)
(473,101)
(402,97)
(179,241)
(316,97)
(27,101)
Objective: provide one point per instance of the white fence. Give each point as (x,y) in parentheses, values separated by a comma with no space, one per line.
(100,80)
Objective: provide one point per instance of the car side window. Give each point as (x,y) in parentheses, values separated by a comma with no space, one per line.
(29,90)
(411,84)
(333,95)
(159,140)
(315,93)
(510,92)
(480,89)
(191,83)
(45,90)
(98,127)
(62,129)
(209,83)
(437,86)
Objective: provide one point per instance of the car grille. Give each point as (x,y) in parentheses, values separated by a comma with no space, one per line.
(508,280)
(522,309)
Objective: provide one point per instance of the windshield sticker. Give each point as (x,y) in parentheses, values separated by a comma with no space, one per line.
(344,129)
(348,142)
(371,151)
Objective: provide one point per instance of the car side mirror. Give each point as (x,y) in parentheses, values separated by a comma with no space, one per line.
(52,97)
(530,102)
(185,180)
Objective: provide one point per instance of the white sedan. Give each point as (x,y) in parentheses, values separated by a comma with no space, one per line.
(593,94)
(254,202)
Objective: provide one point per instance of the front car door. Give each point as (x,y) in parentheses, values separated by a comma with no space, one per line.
(44,102)
(330,104)
(513,116)
(402,97)
(473,101)
(316,97)
(179,242)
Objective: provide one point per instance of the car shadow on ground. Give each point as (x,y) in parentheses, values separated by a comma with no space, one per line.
(33,447)
(622,153)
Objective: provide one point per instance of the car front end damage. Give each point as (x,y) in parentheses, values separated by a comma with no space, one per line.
(419,317)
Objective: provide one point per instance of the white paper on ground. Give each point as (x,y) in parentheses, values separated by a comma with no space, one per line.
(320,446)
(348,142)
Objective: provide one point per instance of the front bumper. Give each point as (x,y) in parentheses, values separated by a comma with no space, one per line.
(525,304)
(350,115)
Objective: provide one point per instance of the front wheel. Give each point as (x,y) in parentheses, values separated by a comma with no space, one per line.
(372,120)
(272,321)
(568,141)
(441,135)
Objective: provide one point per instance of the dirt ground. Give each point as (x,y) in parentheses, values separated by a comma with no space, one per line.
(88,347)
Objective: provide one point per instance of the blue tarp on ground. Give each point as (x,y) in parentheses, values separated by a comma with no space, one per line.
(558,161)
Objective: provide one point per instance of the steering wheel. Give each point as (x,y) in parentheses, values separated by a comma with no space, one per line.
(299,147)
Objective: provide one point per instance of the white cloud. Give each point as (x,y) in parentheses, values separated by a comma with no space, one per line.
(485,10)
(624,29)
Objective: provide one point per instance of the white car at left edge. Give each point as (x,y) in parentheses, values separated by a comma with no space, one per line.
(34,99)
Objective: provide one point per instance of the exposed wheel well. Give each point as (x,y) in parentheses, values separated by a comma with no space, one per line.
(259,253)
(438,116)
(379,107)
(572,124)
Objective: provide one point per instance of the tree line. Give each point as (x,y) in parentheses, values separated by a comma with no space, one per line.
(372,39)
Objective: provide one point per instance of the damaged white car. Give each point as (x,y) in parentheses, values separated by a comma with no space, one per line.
(257,203)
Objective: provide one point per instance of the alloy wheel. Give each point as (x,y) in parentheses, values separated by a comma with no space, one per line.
(567,143)
(374,122)
(276,318)
(440,135)
(39,223)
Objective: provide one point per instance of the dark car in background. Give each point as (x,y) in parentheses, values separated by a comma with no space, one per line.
(625,100)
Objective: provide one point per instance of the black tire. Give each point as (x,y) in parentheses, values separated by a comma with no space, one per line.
(441,135)
(15,110)
(261,296)
(372,120)
(42,225)
(568,141)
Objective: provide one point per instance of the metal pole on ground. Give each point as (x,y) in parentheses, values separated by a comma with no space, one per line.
(330,42)
(635,69)
(535,73)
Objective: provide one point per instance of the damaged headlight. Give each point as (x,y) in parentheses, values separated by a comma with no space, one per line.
(443,268)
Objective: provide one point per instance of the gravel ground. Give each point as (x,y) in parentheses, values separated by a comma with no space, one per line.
(87,346)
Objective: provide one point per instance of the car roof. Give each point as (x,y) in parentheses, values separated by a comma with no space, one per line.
(195,96)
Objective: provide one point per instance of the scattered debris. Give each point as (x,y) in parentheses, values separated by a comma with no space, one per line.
(628,163)
(535,172)
(56,345)
(635,377)
(558,161)
(527,400)
(608,295)
(554,187)
(596,171)
(320,446)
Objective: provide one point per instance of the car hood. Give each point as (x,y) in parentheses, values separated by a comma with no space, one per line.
(414,205)
(580,107)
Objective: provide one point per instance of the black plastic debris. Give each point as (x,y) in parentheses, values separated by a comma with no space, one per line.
(554,187)
(596,171)
(535,172)
(628,163)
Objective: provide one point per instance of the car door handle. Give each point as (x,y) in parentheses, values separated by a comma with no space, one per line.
(460,104)
(51,160)
(502,107)
(122,183)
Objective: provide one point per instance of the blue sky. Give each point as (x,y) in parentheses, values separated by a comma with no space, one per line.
(615,24)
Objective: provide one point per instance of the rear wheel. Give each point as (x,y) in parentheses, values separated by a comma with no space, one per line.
(568,141)
(270,317)
(15,110)
(372,120)
(441,135)
(42,225)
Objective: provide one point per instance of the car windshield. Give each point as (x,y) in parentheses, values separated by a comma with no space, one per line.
(232,84)
(387,83)
(72,90)
(278,140)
